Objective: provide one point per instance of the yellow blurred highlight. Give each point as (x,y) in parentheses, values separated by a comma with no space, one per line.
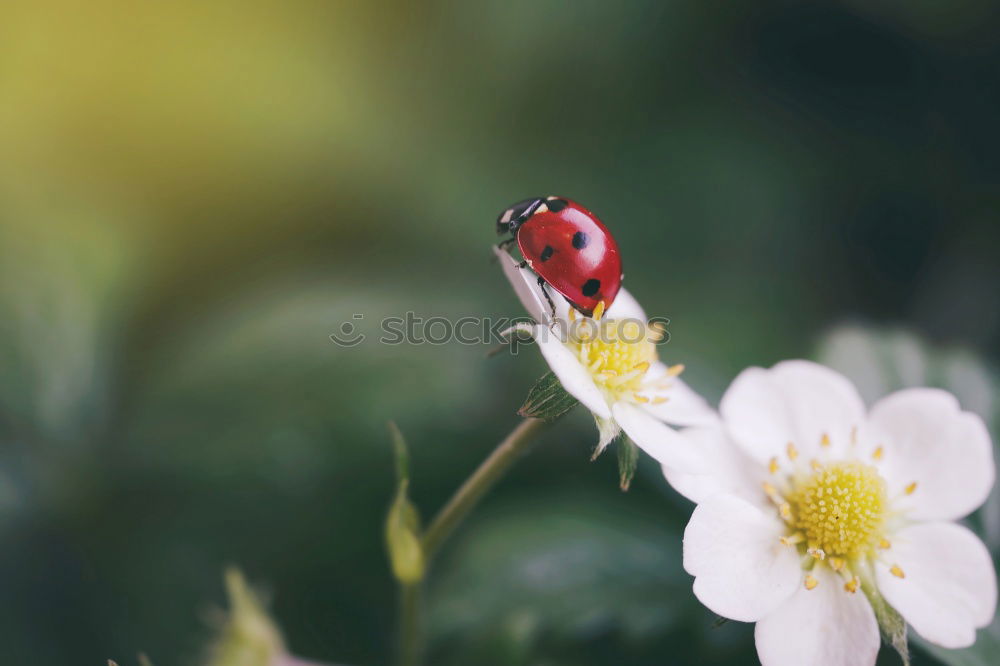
(154,102)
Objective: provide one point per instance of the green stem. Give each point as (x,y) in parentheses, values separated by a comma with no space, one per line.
(488,472)
(448,519)
(410,640)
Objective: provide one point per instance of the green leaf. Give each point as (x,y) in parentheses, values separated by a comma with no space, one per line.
(579,566)
(547,400)
(402,523)
(628,460)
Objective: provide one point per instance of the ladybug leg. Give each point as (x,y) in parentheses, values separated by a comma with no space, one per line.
(505,242)
(503,245)
(541,283)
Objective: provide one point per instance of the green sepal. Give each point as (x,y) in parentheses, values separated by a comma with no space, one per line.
(607,432)
(547,400)
(628,460)
(890,623)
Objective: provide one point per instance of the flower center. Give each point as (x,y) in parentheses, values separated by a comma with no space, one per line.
(839,509)
(618,353)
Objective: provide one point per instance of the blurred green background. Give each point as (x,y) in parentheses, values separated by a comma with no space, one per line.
(194,195)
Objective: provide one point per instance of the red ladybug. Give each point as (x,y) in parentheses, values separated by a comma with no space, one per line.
(570,249)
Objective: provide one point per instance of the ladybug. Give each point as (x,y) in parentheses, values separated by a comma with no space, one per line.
(568,247)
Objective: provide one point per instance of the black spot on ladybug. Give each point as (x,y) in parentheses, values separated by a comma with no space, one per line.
(591,287)
(546,253)
(556,205)
(580,240)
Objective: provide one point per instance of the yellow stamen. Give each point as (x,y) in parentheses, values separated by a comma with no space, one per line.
(840,508)
(897,572)
(836,515)
(675,370)
(599,310)
(884,544)
(793,452)
(817,553)
(640,398)
(572,314)
(617,354)
(824,440)
(622,380)
(660,399)
(878,452)
(790,540)
(910,488)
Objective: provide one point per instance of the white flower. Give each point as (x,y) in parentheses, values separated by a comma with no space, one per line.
(611,366)
(814,506)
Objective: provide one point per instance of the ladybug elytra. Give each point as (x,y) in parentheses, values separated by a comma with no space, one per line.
(568,247)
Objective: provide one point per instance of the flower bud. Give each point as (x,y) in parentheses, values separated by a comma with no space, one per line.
(402,524)
(248,637)
(402,538)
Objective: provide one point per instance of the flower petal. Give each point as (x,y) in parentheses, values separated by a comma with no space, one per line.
(741,569)
(731,471)
(571,373)
(825,626)
(529,292)
(664,444)
(930,441)
(684,407)
(795,401)
(949,588)
(625,307)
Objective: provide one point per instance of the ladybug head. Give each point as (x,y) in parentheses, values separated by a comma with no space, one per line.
(516,215)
